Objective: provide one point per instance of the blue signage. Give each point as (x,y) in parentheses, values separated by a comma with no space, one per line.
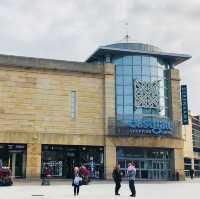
(155,127)
(184,104)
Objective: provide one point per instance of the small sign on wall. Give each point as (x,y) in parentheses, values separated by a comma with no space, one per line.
(184,102)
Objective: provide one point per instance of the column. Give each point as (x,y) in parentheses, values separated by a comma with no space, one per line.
(109,115)
(33,160)
(179,163)
(109,98)
(110,160)
(13,163)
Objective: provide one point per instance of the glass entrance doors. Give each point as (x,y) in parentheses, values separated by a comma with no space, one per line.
(151,164)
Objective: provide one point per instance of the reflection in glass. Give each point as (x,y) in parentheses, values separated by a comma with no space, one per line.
(120,100)
(136,60)
(153,61)
(119,70)
(119,80)
(128,80)
(127,60)
(137,70)
(146,70)
(127,70)
(128,90)
(145,61)
(119,90)
(128,100)
(128,110)
(143,68)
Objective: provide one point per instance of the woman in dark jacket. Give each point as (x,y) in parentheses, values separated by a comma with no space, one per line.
(117,179)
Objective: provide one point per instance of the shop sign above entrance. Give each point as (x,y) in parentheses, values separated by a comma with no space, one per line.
(156,127)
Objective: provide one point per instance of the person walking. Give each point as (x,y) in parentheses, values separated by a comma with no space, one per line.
(131,173)
(76,181)
(46,175)
(117,179)
(192,173)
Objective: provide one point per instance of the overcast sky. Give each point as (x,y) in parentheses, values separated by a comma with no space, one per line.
(73,29)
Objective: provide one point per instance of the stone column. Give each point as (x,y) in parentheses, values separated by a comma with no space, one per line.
(174,94)
(179,162)
(173,77)
(33,160)
(13,164)
(109,98)
(109,114)
(110,160)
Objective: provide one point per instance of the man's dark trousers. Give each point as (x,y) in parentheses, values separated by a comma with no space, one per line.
(117,187)
(132,187)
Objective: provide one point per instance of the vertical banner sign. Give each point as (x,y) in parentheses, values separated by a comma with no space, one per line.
(184,104)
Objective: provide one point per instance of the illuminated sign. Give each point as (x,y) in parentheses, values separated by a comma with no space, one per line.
(184,104)
(148,126)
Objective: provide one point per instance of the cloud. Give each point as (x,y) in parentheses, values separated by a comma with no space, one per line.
(72,30)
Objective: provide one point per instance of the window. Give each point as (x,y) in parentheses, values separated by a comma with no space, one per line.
(73,104)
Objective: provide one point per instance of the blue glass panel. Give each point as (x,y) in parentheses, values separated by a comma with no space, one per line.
(145,60)
(128,90)
(146,111)
(127,60)
(153,61)
(128,80)
(154,71)
(119,80)
(119,100)
(137,77)
(155,112)
(138,111)
(127,70)
(119,90)
(128,100)
(128,117)
(136,60)
(137,70)
(120,110)
(119,70)
(146,78)
(117,61)
(146,70)
(128,110)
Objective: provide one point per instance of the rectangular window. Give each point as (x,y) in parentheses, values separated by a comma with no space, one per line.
(73,104)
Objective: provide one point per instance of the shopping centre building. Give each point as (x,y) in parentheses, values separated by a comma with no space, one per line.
(122,105)
(191,135)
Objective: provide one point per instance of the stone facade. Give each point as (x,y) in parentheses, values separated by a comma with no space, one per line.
(35,107)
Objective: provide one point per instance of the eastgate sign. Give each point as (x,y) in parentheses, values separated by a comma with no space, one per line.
(156,127)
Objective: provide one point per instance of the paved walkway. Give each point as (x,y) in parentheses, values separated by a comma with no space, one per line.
(102,190)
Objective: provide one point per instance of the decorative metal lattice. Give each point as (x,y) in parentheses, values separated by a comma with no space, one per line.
(147,94)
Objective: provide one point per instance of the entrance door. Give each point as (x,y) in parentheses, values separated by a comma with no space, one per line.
(69,166)
(156,172)
(17,164)
(160,170)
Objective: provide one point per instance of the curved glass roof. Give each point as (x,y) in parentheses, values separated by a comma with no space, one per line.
(122,49)
(135,46)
